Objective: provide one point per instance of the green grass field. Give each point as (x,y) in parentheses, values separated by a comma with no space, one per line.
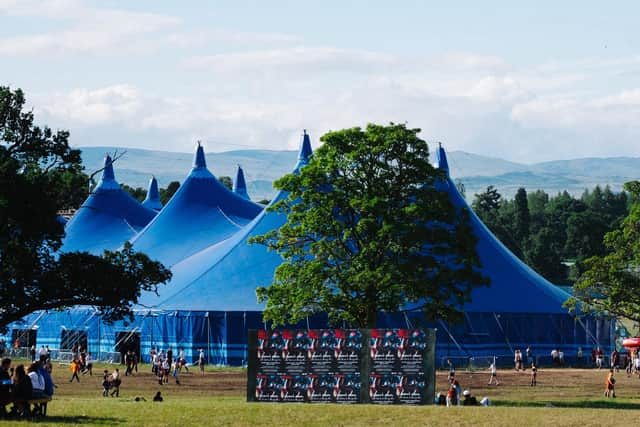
(564,397)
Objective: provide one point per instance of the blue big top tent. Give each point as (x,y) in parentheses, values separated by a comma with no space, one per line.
(210,303)
(201,213)
(108,218)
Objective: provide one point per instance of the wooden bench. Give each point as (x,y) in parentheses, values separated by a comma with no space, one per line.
(24,406)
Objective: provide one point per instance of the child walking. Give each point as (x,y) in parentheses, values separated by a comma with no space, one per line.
(75,370)
(609,385)
(494,373)
(534,374)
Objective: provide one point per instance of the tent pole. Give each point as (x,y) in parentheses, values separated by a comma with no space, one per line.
(208,339)
(99,343)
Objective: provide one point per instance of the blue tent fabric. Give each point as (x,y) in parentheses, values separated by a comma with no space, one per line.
(108,218)
(210,303)
(224,276)
(514,287)
(201,213)
(239,185)
(152,201)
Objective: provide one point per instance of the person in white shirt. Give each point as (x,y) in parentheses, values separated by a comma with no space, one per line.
(201,361)
(37,380)
(494,373)
(115,382)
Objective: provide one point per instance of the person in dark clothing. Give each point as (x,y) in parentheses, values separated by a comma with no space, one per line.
(469,400)
(22,389)
(158,397)
(170,356)
(5,385)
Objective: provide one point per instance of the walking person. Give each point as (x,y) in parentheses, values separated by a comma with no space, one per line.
(452,370)
(534,374)
(165,372)
(106,384)
(182,360)
(494,373)
(75,370)
(610,385)
(176,371)
(115,383)
(615,360)
(201,361)
(452,396)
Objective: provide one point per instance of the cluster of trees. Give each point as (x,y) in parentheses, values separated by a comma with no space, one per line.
(553,234)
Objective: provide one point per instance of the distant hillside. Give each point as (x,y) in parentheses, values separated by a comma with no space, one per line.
(476,172)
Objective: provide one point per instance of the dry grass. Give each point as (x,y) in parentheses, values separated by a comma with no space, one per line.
(564,397)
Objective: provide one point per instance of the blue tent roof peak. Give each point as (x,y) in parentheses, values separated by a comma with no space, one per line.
(152,201)
(305,149)
(199,160)
(108,180)
(441,158)
(239,185)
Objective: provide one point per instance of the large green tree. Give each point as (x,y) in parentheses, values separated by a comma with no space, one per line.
(367,231)
(611,283)
(39,176)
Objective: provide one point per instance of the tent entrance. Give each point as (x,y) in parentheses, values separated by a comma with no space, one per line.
(73,340)
(127,341)
(23,337)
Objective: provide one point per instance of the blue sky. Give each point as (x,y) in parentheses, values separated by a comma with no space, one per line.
(528,83)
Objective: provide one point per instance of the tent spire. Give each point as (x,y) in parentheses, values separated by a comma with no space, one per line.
(107,172)
(108,180)
(152,201)
(240,185)
(441,158)
(305,150)
(199,160)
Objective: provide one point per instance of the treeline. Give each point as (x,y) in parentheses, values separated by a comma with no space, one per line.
(553,234)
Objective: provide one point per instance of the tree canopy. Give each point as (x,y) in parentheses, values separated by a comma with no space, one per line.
(40,175)
(368,231)
(611,282)
(549,232)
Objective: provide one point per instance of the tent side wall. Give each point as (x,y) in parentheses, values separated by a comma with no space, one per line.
(223,334)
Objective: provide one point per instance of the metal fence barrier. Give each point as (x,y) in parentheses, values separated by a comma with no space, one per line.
(64,356)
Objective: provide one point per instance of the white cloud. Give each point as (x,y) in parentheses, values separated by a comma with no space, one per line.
(293,59)
(202,38)
(92,31)
(113,104)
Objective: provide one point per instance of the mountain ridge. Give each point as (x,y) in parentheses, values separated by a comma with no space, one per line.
(475,171)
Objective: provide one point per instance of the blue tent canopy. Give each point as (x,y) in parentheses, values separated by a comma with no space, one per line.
(224,276)
(201,213)
(210,302)
(108,218)
(152,201)
(239,185)
(515,287)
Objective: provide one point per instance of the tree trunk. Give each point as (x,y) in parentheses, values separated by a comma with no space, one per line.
(372,308)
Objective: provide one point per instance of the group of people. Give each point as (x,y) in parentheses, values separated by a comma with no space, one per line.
(20,383)
(131,362)
(163,364)
(111,383)
(81,363)
(455,396)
